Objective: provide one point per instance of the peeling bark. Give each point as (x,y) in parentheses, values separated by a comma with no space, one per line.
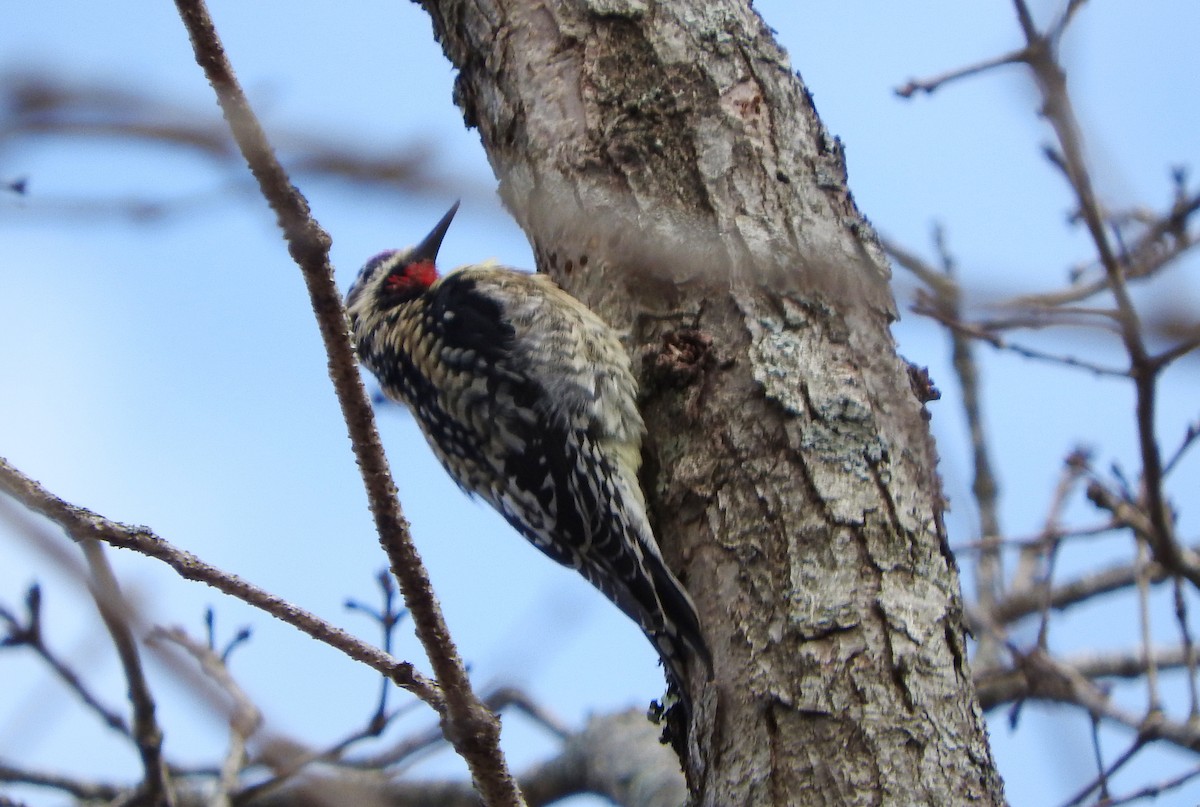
(671,171)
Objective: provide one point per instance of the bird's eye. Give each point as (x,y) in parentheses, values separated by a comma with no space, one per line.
(365,275)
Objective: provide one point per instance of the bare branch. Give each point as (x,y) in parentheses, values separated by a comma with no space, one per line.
(1000,343)
(1184,347)
(245,718)
(146,732)
(30,635)
(84,791)
(1026,543)
(984,487)
(1019,604)
(506,697)
(1074,469)
(1059,111)
(1155,790)
(1186,560)
(82,524)
(1143,590)
(1035,553)
(1059,26)
(1040,55)
(929,85)
(1106,771)
(34,104)
(1189,651)
(1165,240)
(388,616)
(498,700)
(617,756)
(1037,676)
(474,732)
(937,282)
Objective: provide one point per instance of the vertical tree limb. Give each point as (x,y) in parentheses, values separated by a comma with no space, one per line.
(671,171)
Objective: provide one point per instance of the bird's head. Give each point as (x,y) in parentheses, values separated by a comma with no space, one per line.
(398,275)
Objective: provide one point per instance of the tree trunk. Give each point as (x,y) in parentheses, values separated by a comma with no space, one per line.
(671,172)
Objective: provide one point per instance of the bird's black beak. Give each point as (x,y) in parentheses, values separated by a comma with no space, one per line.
(427,250)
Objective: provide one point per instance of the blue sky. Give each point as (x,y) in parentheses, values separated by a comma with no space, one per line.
(171,374)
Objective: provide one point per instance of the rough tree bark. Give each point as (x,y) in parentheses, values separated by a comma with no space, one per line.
(671,171)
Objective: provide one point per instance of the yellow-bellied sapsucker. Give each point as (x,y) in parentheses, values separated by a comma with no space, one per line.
(528,400)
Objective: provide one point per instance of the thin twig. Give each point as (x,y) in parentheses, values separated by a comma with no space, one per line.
(1059,26)
(146,732)
(1089,318)
(928,86)
(1040,54)
(1027,542)
(1074,468)
(30,635)
(1189,650)
(287,761)
(1156,790)
(42,103)
(1189,437)
(1171,354)
(1153,704)
(937,281)
(1000,343)
(506,697)
(1102,776)
(1106,772)
(83,791)
(1134,516)
(1056,681)
(1146,256)
(1051,536)
(406,750)
(498,700)
(1017,605)
(244,720)
(388,617)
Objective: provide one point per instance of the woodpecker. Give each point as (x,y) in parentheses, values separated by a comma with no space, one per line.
(528,400)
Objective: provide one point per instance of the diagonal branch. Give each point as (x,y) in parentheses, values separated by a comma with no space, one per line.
(78,788)
(1019,604)
(1042,677)
(470,727)
(147,734)
(929,86)
(82,524)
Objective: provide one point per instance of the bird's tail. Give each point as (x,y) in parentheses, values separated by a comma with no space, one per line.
(679,640)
